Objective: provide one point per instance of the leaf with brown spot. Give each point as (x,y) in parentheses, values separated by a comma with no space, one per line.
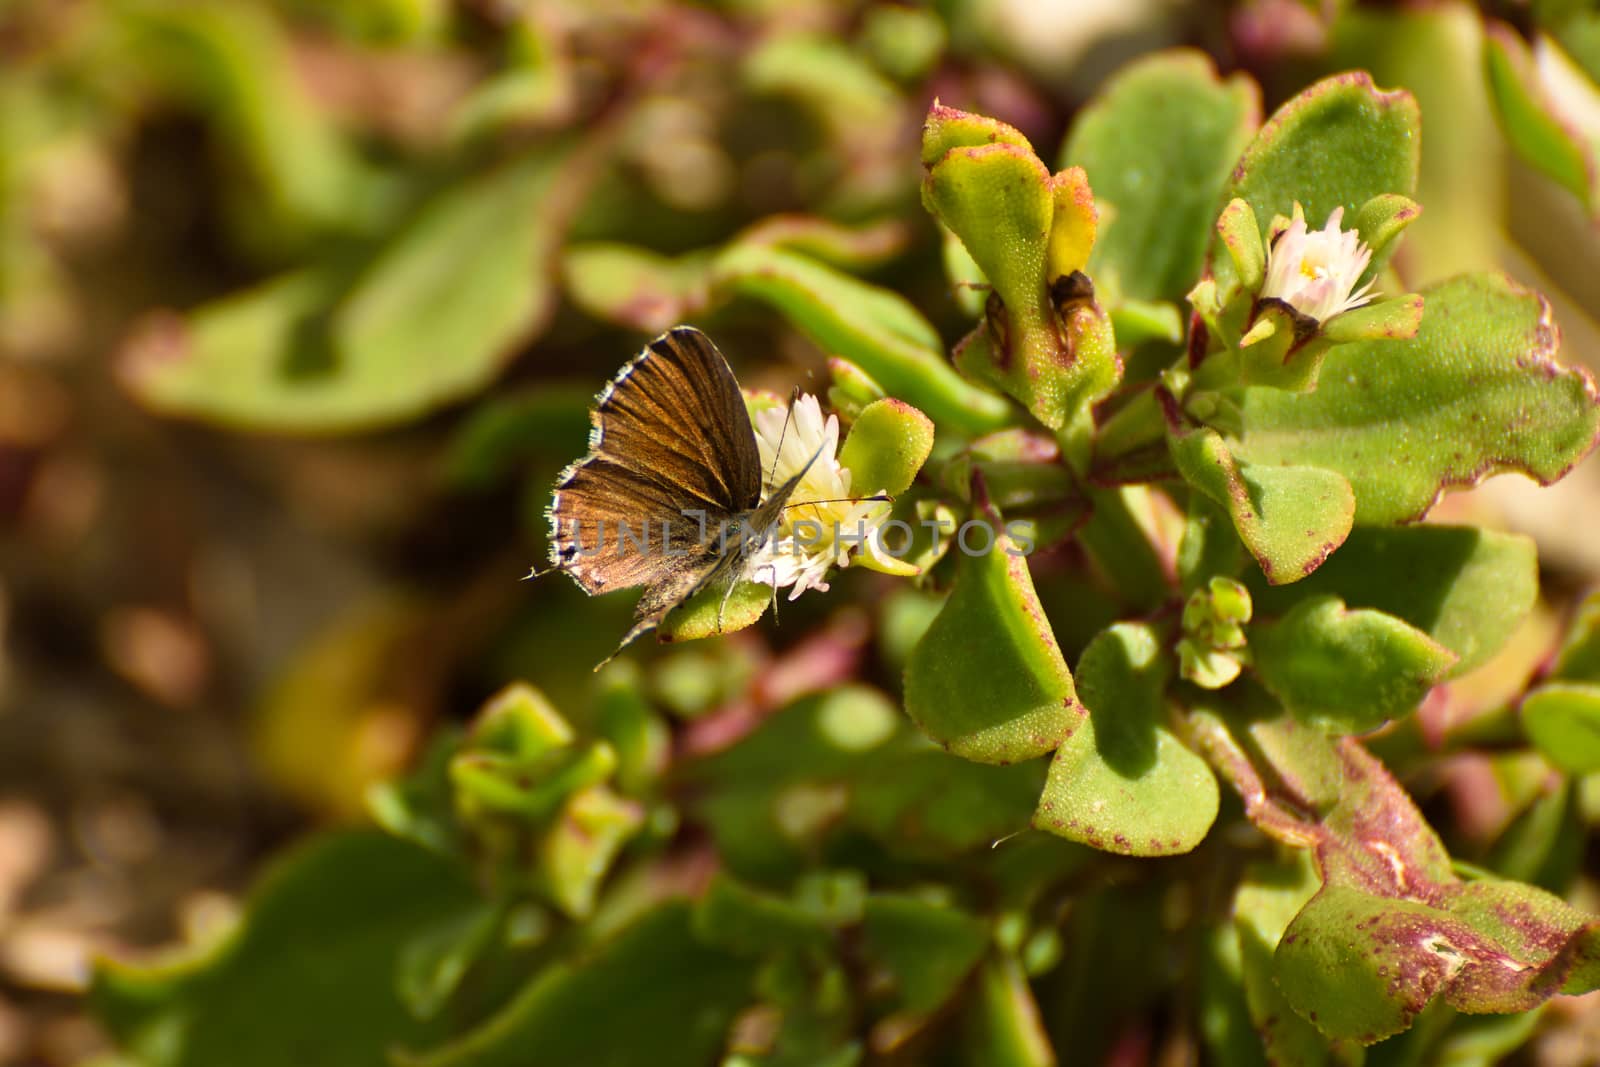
(1392,926)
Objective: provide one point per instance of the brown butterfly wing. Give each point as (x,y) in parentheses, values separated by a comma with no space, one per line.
(671,440)
(713,567)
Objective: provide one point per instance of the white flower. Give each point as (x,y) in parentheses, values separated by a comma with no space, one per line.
(1315,271)
(811,537)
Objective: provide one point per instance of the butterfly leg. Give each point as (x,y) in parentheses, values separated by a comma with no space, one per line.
(733,580)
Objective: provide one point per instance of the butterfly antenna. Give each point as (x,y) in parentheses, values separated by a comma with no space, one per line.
(881,498)
(777,453)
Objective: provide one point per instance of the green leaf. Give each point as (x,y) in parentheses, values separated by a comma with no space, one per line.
(821,766)
(1346,670)
(997,198)
(1025,230)
(1022,473)
(635,287)
(747,922)
(315,352)
(904,42)
(824,75)
(1266,902)
(947,128)
(1209,547)
(1579,657)
(987,681)
(1532,122)
(873,328)
(1122,781)
(707,615)
(928,949)
(611,1008)
(421,806)
(236,65)
(470,276)
(432,965)
(1562,719)
(637,735)
(1362,966)
(848,247)
(308,978)
(1465,587)
(1337,144)
(489,783)
(851,389)
(1289,517)
(519,722)
(1393,926)
(1476,392)
(1222,1013)
(887,445)
(576,853)
(1158,143)
(1003,1027)
(1545,844)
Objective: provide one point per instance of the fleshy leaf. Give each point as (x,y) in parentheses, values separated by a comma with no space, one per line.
(1579,657)
(238,66)
(873,328)
(1532,122)
(852,388)
(1562,719)
(653,978)
(707,615)
(1346,670)
(577,851)
(635,287)
(1370,962)
(1477,391)
(1158,143)
(1393,926)
(1026,230)
(1003,1027)
(1465,587)
(946,128)
(491,784)
(1383,320)
(1337,144)
(432,965)
(849,247)
(748,922)
(315,352)
(927,948)
(1021,472)
(521,723)
(1289,517)
(1266,902)
(902,792)
(635,731)
(1122,781)
(987,681)
(887,445)
(1240,233)
(340,1007)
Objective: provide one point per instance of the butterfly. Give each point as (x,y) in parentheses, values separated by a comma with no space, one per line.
(672,454)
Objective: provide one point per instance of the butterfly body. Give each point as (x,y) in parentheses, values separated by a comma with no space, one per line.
(670,495)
